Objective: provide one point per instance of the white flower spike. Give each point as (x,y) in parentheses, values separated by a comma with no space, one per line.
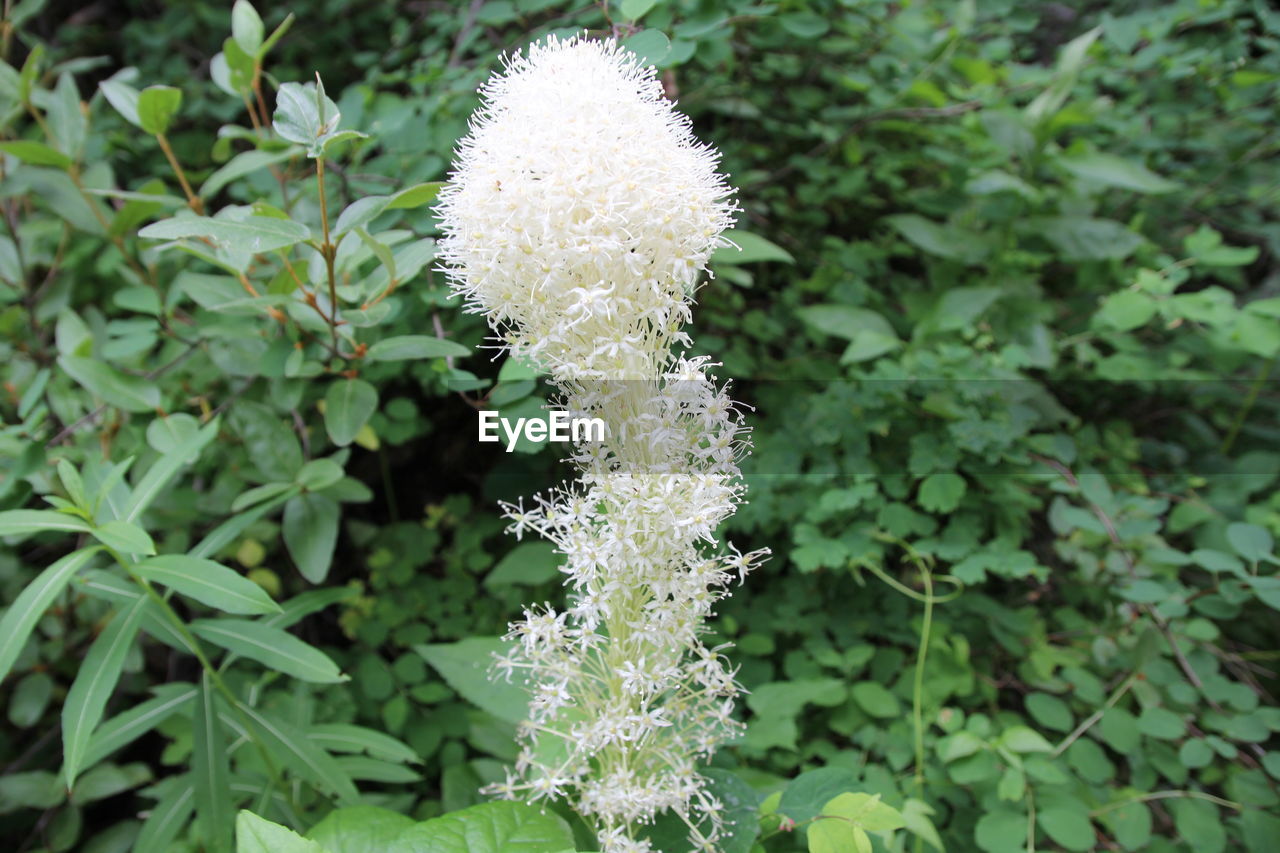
(580,216)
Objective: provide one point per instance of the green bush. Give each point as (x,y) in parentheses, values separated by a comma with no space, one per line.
(1006,309)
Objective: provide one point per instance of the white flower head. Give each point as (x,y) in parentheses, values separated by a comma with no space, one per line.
(582,210)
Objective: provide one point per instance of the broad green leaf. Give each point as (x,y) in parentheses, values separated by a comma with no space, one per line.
(1022,739)
(406,347)
(35,789)
(30,697)
(168,816)
(349,404)
(739,812)
(318,474)
(94,684)
(751,249)
(945,241)
(1112,171)
(875,699)
(244,163)
(916,816)
(651,46)
(466,666)
(828,835)
(865,811)
(1050,712)
(845,321)
(501,827)
(123,729)
(252,235)
(359,829)
(207,582)
(527,563)
(157,105)
(303,756)
(113,386)
(246,27)
(1001,832)
(1079,238)
(271,646)
(1161,723)
(306,115)
(36,153)
(21,617)
(942,491)
(364,210)
(1130,824)
(68,125)
(125,537)
(634,10)
(344,737)
(124,98)
(1068,826)
(310,529)
(1127,310)
(109,780)
(256,835)
(803,798)
(210,770)
(19,522)
(1251,541)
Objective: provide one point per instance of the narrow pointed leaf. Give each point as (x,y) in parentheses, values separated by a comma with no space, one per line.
(302,755)
(16,522)
(167,817)
(271,646)
(211,771)
(35,598)
(123,729)
(208,582)
(87,698)
(159,475)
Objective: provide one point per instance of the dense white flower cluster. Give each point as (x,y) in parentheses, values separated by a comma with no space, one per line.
(580,215)
(582,210)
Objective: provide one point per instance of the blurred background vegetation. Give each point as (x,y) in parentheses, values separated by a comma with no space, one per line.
(1007,311)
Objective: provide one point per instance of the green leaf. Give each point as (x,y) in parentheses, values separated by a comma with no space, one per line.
(123,729)
(1112,171)
(362,211)
(529,563)
(166,468)
(1050,712)
(157,105)
(167,817)
(36,153)
(211,771)
(845,321)
(876,700)
(360,829)
(1022,739)
(246,27)
(94,684)
(1080,238)
(253,235)
(271,646)
(125,537)
(651,46)
(1068,826)
(315,475)
(803,798)
(466,664)
(18,522)
(344,737)
(30,697)
(124,98)
(1119,729)
(130,393)
(942,492)
(1127,310)
(306,759)
(306,115)
(958,308)
(1251,541)
(836,836)
(865,811)
(916,816)
(255,835)
(68,125)
(1161,723)
(108,781)
(501,827)
(35,789)
(244,163)
(634,10)
(310,528)
(406,347)
(1001,832)
(208,582)
(21,616)
(750,249)
(348,405)
(1199,825)
(1205,245)
(945,241)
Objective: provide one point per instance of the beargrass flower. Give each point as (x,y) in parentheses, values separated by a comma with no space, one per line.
(579,218)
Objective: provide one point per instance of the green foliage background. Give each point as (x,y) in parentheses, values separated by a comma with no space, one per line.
(1007,308)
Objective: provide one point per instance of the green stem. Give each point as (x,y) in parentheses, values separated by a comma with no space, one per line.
(1243,412)
(1095,716)
(1167,795)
